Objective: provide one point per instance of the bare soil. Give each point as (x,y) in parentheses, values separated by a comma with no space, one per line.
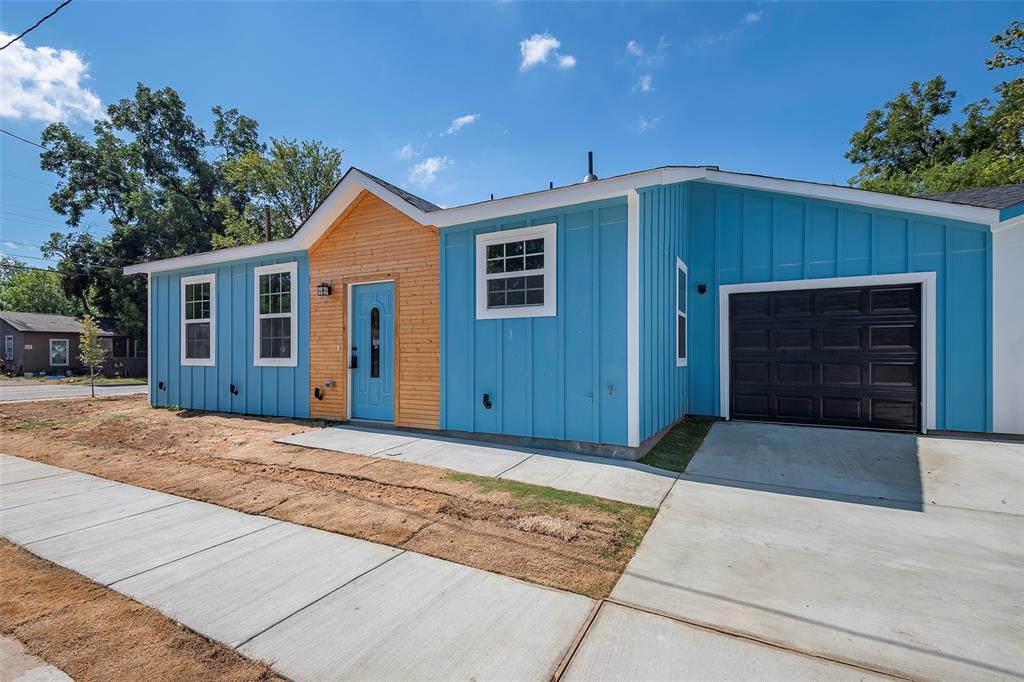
(564,540)
(93,633)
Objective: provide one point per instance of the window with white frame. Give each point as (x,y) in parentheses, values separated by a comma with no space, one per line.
(515,272)
(682,293)
(198,320)
(59,352)
(275,336)
(139,348)
(9,347)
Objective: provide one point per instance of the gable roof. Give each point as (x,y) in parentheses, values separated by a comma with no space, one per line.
(356,181)
(418,202)
(55,324)
(1001,197)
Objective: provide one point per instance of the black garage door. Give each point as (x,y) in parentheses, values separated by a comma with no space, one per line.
(844,357)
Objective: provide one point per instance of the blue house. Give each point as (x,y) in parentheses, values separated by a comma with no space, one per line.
(595,316)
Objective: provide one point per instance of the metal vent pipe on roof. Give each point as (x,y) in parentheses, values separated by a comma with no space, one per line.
(590,168)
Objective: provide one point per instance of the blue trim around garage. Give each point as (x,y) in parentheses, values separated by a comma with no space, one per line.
(738,236)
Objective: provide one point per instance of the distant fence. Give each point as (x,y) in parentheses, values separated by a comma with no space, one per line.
(125,367)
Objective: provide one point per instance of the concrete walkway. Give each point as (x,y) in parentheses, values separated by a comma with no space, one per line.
(16,665)
(611,479)
(902,553)
(321,606)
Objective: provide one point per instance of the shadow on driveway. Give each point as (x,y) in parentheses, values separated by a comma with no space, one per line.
(864,467)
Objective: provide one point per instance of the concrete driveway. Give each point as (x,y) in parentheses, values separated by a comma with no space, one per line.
(897,553)
(24,390)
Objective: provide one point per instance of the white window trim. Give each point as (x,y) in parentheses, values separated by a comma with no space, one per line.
(549,232)
(199,279)
(928,327)
(67,353)
(681,267)
(9,347)
(135,349)
(293,269)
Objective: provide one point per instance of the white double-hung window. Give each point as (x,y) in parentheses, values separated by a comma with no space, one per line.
(9,347)
(681,301)
(59,352)
(515,273)
(275,337)
(199,320)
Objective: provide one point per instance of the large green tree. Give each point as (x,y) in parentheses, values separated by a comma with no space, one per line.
(167,189)
(910,146)
(27,289)
(290,178)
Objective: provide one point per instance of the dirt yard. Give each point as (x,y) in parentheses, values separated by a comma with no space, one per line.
(93,633)
(555,538)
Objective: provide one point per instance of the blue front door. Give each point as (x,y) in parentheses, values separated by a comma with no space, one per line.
(373,348)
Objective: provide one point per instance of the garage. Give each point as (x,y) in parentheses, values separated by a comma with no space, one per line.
(834,356)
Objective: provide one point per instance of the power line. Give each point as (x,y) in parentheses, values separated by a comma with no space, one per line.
(19,177)
(21,266)
(19,137)
(35,25)
(11,241)
(61,260)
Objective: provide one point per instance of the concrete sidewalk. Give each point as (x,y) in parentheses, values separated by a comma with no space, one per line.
(611,479)
(322,606)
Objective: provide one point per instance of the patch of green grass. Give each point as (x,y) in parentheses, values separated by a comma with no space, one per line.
(543,500)
(675,450)
(46,424)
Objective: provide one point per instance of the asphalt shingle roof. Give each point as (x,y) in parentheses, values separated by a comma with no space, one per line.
(986,197)
(56,324)
(419,202)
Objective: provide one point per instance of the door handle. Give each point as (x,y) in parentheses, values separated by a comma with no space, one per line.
(354,362)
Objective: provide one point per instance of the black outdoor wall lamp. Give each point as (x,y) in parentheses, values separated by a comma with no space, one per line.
(323,289)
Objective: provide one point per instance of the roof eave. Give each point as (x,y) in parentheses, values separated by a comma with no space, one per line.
(344,193)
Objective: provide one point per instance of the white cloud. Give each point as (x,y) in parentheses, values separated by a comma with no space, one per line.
(425,172)
(44,84)
(752,17)
(406,153)
(645,124)
(642,56)
(538,48)
(461,122)
(645,84)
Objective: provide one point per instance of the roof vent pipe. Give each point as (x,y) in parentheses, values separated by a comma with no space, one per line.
(590,168)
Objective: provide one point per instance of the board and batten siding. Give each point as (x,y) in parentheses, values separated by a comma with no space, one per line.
(738,236)
(562,377)
(371,242)
(278,391)
(663,385)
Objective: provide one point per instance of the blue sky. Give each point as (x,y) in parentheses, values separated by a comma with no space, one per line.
(773,88)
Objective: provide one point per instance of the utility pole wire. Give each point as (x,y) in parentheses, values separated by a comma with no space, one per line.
(19,137)
(35,25)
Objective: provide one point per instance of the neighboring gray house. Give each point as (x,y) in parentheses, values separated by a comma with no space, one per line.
(38,343)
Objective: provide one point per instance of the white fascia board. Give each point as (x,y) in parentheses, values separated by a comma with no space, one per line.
(212,257)
(340,198)
(354,183)
(1009,224)
(891,202)
(597,190)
